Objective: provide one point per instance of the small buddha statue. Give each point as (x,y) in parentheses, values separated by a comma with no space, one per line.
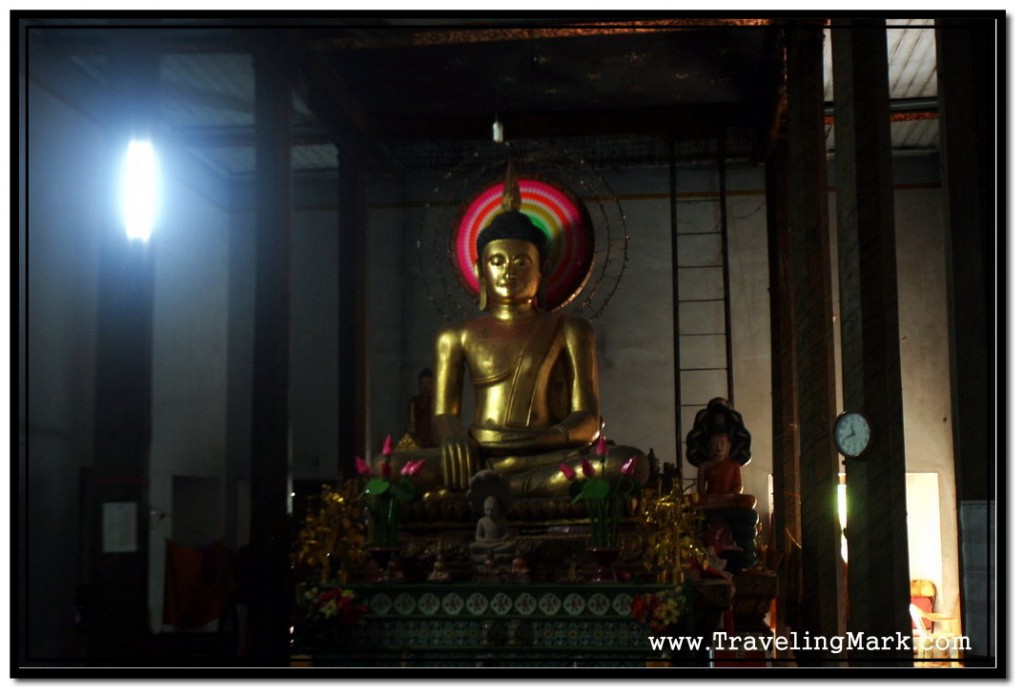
(520,569)
(440,572)
(534,376)
(421,406)
(490,571)
(493,537)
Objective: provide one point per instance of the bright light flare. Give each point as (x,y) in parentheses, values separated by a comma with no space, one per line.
(841,495)
(139,189)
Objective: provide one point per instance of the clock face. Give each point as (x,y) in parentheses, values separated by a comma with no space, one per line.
(853,433)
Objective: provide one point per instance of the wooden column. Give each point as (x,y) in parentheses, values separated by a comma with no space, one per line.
(352,320)
(812,310)
(869,298)
(785,445)
(972,158)
(118,615)
(270,529)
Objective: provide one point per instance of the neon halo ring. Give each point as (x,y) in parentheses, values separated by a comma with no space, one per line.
(564,221)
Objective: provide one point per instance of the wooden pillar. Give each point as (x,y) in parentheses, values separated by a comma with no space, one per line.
(869,299)
(972,158)
(352,322)
(785,445)
(812,311)
(270,529)
(119,621)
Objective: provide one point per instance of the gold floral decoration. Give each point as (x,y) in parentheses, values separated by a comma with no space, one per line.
(333,535)
(670,530)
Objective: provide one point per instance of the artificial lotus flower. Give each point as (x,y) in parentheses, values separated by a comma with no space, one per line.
(604,497)
(362,468)
(413,467)
(568,471)
(384,497)
(587,468)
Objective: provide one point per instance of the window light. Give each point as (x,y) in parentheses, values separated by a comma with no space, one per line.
(139,189)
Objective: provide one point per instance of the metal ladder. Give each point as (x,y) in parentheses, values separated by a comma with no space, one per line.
(700,290)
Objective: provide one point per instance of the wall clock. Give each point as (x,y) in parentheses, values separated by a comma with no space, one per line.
(852,433)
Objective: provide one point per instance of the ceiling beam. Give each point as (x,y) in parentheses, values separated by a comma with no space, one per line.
(460,31)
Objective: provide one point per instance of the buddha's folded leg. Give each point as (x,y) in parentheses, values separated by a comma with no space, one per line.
(541,475)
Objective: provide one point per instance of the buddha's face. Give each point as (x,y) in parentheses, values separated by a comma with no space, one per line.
(511,269)
(719,445)
(491,508)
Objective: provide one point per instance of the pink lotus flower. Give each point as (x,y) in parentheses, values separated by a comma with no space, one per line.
(568,471)
(412,468)
(587,468)
(602,447)
(362,468)
(385,469)
(388,448)
(629,467)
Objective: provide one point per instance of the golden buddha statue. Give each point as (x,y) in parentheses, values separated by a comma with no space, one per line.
(534,376)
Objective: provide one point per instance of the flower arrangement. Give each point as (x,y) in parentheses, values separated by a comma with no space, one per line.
(605,499)
(326,611)
(334,603)
(662,611)
(384,497)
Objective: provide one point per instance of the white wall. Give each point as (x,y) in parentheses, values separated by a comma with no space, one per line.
(190,349)
(924,353)
(62,232)
(314,344)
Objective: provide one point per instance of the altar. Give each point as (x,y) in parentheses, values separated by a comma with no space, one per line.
(526,537)
(507,625)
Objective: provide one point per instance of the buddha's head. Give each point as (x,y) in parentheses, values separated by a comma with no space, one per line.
(511,257)
(492,508)
(719,446)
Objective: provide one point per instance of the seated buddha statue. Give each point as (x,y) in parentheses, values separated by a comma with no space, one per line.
(718,446)
(533,372)
(719,479)
(493,536)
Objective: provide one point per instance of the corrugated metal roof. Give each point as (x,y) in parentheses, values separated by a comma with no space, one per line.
(227,161)
(314,157)
(912,73)
(207,90)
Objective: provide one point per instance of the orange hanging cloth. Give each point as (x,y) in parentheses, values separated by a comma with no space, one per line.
(197,585)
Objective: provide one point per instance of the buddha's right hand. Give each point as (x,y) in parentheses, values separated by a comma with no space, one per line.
(458,462)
